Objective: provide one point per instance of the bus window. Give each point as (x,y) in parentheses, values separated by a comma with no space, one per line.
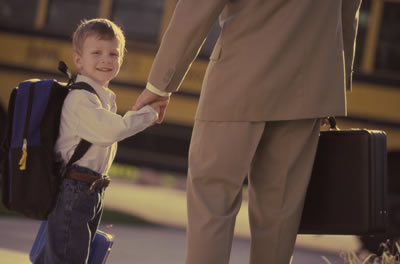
(18,14)
(364,20)
(140,20)
(388,49)
(64,16)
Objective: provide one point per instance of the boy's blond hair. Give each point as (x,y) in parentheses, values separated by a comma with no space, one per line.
(103,28)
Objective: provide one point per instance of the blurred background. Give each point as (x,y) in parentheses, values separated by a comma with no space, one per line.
(36,34)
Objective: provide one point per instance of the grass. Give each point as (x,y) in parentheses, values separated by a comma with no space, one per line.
(5,212)
(116,217)
(121,171)
(109,217)
(390,255)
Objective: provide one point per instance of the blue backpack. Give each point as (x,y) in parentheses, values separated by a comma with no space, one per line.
(31,172)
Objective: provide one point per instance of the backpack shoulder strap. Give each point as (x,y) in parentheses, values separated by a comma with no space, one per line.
(83,86)
(83,145)
(79,151)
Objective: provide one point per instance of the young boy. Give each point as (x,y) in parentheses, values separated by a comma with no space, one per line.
(98,46)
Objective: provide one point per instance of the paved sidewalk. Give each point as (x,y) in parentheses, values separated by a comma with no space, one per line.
(134,245)
(164,243)
(167,206)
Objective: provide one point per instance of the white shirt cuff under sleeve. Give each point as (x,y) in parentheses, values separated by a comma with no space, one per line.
(155,90)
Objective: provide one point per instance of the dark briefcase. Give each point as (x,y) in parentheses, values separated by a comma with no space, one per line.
(347,193)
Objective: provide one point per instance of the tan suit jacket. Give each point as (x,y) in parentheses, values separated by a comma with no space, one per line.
(274,59)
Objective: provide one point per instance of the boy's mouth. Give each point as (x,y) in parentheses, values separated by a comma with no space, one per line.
(104,69)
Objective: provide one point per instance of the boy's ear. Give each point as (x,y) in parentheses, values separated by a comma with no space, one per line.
(77,60)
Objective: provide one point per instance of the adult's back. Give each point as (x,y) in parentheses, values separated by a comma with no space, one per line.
(274,60)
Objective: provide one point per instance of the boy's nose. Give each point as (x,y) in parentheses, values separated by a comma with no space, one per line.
(105,59)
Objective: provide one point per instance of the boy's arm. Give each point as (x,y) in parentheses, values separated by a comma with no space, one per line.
(102,127)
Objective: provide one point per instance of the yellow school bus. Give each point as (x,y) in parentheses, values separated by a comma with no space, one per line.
(35,35)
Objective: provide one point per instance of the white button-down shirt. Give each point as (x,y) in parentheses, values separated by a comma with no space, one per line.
(84,115)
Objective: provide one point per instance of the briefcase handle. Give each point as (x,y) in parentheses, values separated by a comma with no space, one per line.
(332,123)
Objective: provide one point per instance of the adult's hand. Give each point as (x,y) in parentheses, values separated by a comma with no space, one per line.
(148,97)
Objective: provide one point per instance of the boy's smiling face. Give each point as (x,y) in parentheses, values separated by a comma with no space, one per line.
(99,59)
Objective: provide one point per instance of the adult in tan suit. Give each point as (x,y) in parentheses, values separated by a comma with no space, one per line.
(278,67)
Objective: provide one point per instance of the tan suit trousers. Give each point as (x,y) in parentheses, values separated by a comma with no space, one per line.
(278,157)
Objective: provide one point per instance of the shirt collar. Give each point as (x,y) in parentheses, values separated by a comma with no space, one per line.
(104,92)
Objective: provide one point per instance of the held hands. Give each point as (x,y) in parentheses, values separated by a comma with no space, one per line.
(159,107)
(159,103)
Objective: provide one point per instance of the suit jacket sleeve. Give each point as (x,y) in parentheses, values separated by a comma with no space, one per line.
(350,12)
(186,33)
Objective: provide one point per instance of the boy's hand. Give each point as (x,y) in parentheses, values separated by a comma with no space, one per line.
(147,97)
(159,106)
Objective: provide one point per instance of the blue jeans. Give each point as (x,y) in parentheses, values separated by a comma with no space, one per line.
(73,223)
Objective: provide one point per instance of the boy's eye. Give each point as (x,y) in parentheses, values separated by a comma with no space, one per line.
(96,52)
(114,54)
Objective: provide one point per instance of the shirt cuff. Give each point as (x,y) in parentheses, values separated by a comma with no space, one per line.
(156,91)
